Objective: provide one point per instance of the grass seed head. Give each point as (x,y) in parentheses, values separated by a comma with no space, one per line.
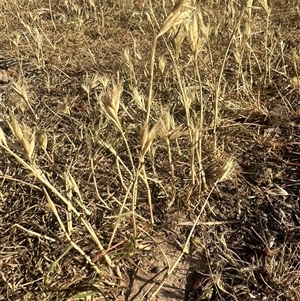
(64,107)
(192,30)
(127,56)
(2,138)
(178,38)
(181,11)
(166,122)
(104,81)
(227,170)
(111,108)
(21,90)
(17,131)
(28,142)
(116,93)
(25,137)
(176,133)
(42,139)
(144,132)
(168,129)
(295,82)
(203,28)
(29,145)
(90,84)
(295,58)
(161,63)
(147,137)
(127,59)
(138,98)
(247,32)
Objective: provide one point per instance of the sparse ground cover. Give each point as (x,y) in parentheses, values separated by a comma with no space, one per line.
(149,150)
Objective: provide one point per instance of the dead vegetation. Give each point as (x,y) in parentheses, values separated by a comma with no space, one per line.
(132,129)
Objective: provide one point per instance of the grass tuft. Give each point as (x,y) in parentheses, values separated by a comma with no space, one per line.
(152,138)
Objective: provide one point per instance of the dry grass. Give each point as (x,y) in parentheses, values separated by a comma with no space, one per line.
(124,121)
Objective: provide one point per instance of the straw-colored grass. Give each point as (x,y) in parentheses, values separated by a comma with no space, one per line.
(128,125)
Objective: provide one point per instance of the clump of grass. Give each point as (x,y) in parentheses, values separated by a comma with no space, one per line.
(117,123)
